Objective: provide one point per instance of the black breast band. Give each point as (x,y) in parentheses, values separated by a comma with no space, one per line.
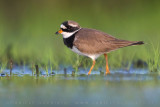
(69,41)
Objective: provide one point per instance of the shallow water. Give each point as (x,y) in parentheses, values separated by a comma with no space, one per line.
(120,88)
(23,70)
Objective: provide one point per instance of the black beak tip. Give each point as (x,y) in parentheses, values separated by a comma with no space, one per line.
(57,33)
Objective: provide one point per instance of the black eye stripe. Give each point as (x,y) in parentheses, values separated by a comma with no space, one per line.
(66,30)
(70,29)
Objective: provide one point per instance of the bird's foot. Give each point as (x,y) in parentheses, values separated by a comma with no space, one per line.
(89,73)
(107,72)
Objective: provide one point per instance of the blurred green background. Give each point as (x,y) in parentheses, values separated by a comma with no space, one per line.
(27,30)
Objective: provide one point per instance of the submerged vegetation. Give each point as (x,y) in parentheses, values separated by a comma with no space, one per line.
(27,32)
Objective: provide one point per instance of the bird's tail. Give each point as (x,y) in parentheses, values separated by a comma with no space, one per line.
(136,43)
(116,44)
(125,43)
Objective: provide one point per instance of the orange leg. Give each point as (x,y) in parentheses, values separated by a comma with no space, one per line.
(107,68)
(92,67)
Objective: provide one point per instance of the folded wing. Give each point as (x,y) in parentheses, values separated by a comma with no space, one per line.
(93,41)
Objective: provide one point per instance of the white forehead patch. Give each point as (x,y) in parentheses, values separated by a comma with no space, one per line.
(63,27)
(70,24)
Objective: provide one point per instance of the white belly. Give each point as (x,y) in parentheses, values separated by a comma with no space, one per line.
(74,49)
(92,56)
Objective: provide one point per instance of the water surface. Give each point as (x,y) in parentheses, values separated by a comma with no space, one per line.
(117,89)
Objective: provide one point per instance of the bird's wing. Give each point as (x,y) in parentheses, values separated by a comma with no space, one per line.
(93,41)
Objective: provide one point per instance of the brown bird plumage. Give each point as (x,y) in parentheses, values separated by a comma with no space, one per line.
(91,42)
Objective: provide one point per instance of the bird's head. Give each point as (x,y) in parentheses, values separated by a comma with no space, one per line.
(68,28)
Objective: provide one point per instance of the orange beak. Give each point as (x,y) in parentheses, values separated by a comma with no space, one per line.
(59,32)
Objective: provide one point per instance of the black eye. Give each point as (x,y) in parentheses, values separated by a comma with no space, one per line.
(69,27)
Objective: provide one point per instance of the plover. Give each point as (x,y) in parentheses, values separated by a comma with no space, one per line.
(91,42)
